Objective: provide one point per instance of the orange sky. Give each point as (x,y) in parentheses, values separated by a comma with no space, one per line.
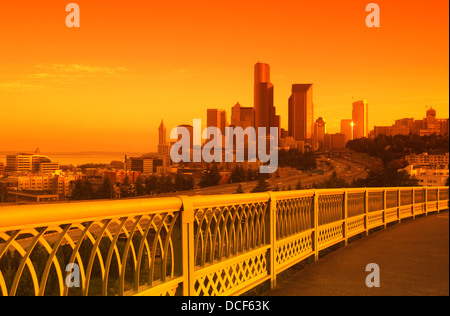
(107,85)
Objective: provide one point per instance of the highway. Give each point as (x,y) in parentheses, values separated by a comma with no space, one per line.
(346,169)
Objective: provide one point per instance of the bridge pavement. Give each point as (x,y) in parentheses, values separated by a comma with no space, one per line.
(413,258)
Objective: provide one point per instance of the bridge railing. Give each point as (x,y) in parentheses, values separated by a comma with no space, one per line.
(200,245)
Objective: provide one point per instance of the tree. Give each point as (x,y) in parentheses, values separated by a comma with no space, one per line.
(151,185)
(386,178)
(165,184)
(239,189)
(105,190)
(296,159)
(334,181)
(238,174)
(82,191)
(210,177)
(298,186)
(262,186)
(184,182)
(139,186)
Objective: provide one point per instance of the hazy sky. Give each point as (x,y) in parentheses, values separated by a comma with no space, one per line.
(107,85)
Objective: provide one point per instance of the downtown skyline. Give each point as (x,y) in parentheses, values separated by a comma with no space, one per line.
(105,79)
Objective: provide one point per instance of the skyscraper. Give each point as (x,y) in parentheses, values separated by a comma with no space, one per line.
(319,134)
(347,129)
(301,112)
(360,116)
(265,112)
(242,116)
(217,118)
(163,146)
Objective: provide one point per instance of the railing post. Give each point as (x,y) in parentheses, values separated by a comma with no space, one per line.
(316,225)
(366,211)
(345,217)
(426,201)
(413,203)
(399,199)
(188,246)
(273,238)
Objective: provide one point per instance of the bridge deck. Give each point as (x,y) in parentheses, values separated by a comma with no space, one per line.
(413,258)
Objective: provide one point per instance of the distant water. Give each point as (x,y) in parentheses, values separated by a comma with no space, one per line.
(80,159)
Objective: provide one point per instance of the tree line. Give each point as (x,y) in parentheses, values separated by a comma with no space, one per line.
(390,148)
(84,190)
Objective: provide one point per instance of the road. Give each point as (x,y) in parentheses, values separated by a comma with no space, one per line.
(343,168)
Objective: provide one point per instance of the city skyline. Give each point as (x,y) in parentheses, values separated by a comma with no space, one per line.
(105,79)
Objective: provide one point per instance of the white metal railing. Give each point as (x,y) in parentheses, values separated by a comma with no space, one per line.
(200,245)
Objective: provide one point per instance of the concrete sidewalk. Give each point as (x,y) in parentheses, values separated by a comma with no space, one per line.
(413,258)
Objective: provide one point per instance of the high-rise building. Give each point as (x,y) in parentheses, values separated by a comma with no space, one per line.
(217,118)
(319,134)
(347,129)
(242,116)
(431,125)
(360,116)
(163,146)
(334,141)
(431,119)
(301,112)
(265,112)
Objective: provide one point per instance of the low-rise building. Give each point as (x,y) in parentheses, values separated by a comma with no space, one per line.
(428,176)
(426,160)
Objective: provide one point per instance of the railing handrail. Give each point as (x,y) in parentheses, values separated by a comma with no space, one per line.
(14,217)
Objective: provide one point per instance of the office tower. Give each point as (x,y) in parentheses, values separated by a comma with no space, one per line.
(217,118)
(141,164)
(242,116)
(430,120)
(162,133)
(319,134)
(360,116)
(334,141)
(347,129)
(301,112)
(265,112)
(163,146)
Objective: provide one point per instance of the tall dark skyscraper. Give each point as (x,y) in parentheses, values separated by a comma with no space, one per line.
(217,118)
(301,112)
(265,112)
(360,117)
